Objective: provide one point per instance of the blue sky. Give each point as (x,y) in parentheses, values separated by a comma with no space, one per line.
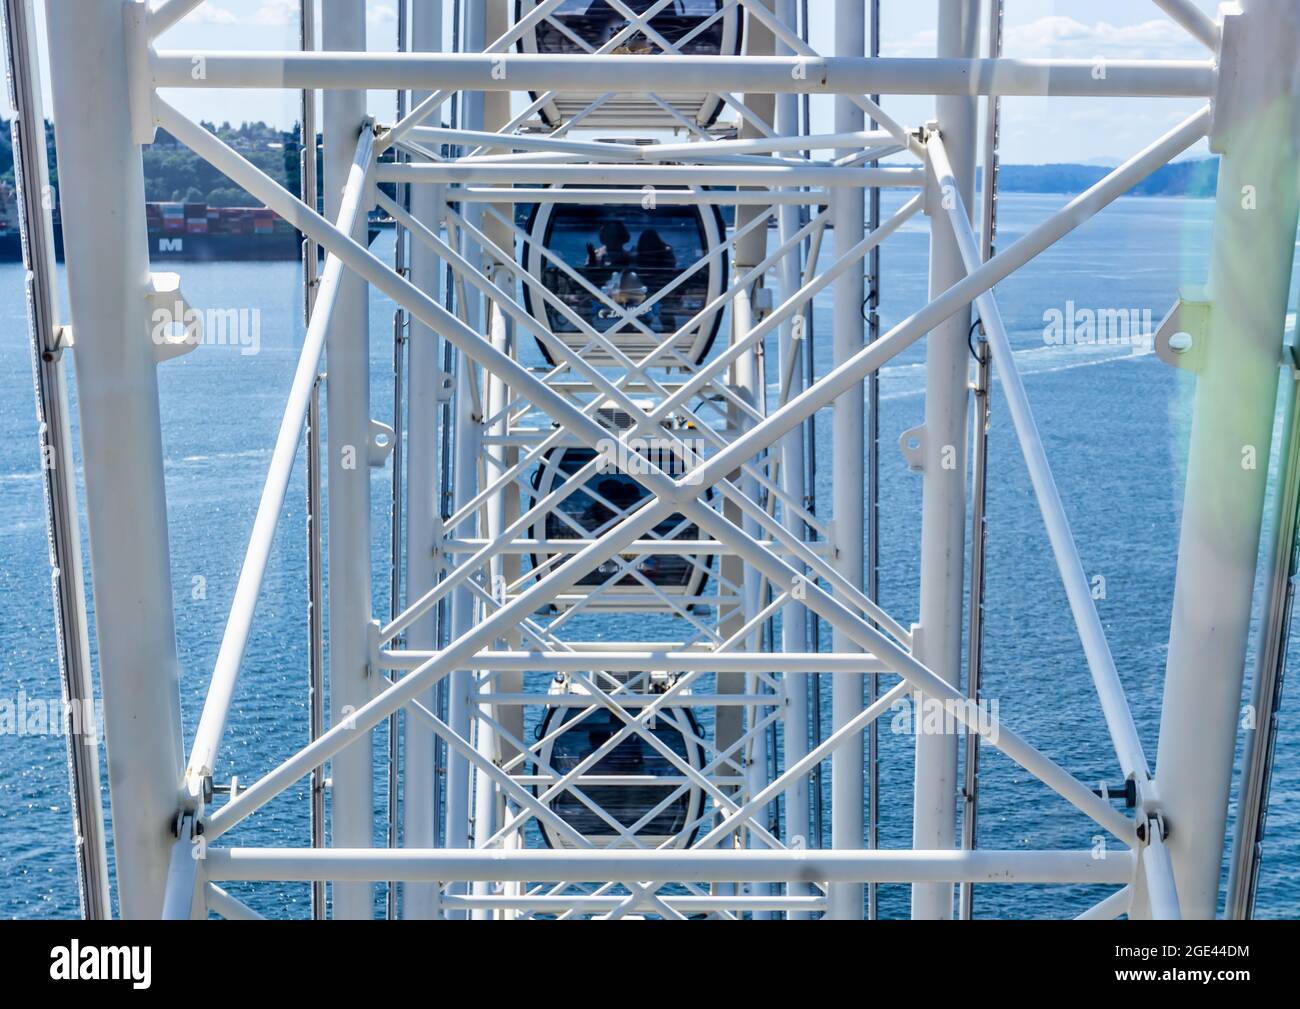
(1035,130)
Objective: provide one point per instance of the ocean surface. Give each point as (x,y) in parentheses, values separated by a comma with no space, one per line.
(1114,424)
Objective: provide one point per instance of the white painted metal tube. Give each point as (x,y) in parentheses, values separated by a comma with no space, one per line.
(1158,871)
(477,72)
(786,140)
(54,424)
(230,655)
(1195,20)
(558,865)
(659,548)
(230,908)
(783,420)
(633,661)
(169,13)
(181,898)
(1233,417)
(1029,245)
(943,451)
(423,504)
(1081,208)
(1110,908)
(1110,691)
(792,345)
(102,198)
(648,175)
(338,737)
(347,468)
(664,197)
(902,662)
(848,209)
(586,904)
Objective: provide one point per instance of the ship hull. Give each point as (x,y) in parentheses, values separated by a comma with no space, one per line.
(191,248)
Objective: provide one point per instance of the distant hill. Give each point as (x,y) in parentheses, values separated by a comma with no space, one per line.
(172,172)
(1194,178)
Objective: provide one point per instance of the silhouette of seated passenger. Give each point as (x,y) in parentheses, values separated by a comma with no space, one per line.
(611,256)
(656,263)
(656,267)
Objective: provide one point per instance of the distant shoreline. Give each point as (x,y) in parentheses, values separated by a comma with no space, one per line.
(1197,179)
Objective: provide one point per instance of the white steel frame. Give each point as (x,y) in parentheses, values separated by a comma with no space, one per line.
(475,620)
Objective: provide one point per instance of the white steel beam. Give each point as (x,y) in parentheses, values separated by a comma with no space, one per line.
(1032,243)
(649,175)
(639,660)
(423,496)
(239,624)
(347,391)
(792,344)
(848,210)
(170,12)
(558,865)
(1195,20)
(1232,428)
(711,472)
(1110,691)
(943,452)
(54,424)
(102,196)
(479,72)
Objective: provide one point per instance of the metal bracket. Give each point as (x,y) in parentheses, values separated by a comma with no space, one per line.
(1229,105)
(912,444)
(169,310)
(383,439)
(139,71)
(1125,793)
(1291,352)
(61,339)
(446,386)
(1180,339)
(187,824)
(372,648)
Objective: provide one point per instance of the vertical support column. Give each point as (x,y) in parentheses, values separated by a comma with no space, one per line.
(943,499)
(468,438)
(347,404)
(423,522)
(1255,131)
(486,742)
(503,507)
(52,415)
(873,492)
(315,524)
(102,194)
(732,721)
(849,216)
(792,345)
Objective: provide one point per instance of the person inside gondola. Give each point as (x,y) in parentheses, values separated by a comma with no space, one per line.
(612,255)
(656,266)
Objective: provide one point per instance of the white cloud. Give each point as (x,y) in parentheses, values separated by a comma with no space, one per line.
(210,13)
(1056,35)
(1064,37)
(276,13)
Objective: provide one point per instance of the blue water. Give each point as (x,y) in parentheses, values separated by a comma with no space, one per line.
(1114,424)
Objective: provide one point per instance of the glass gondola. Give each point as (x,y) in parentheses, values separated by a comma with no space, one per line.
(577,736)
(693,27)
(593,509)
(631,254)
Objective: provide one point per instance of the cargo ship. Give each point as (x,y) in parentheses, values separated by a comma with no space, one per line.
(184,232)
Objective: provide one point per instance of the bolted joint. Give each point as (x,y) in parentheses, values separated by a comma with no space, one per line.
(1154,826)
